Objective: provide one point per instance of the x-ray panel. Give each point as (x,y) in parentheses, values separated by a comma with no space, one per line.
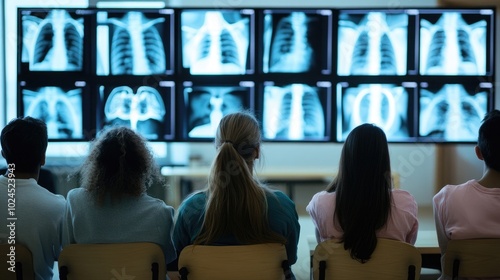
(297,41)
(372,43)
(134,43)
(451,112)
(145,109)
(206,105)
(59,107)
(297,112)
(385,105)
(217,42)
(455,43)
(52,40)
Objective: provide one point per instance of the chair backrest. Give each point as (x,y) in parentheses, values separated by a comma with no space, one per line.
(260,261)
(142,260)
(391,260)
(18,260)
(479,258)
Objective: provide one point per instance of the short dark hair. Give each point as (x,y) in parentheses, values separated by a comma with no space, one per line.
(24,143)
(489,140)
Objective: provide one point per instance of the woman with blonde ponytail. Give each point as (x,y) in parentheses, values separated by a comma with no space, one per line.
(235,208)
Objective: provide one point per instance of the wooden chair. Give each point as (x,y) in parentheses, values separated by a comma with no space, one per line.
(23,263)
(474,258)
(391,260)
(141,260)
(260,261)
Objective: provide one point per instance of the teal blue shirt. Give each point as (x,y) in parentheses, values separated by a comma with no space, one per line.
(282,217)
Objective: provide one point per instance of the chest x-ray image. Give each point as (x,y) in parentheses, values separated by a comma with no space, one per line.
(384,105)
(131,43)
(292,42)
(215,42)
(451,112)
(141,109)
(373,43)
(52,41)
(60,108)
(295,112)
(450,45)
(206,105)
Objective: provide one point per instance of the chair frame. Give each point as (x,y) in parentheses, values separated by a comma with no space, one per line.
(216,257)
(24,269)
(332,252)
(472,258)
(104,256)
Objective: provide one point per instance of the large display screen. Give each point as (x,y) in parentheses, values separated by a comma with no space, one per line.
(308,74)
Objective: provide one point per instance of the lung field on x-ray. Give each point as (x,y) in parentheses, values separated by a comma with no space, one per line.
(293,112)
(53,42)
(291,42)
(215,42)
(449,45)
(374,43)
(60,109)
(136,46)
(143,110)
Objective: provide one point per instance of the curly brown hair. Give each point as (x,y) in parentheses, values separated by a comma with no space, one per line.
(119,163)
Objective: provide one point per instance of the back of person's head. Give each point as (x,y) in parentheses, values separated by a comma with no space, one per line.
(363,189)
(236,201)
(119,163)
(489,140)
(24,143)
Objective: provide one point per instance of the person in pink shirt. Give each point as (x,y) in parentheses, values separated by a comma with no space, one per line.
(472,209)
(360,204)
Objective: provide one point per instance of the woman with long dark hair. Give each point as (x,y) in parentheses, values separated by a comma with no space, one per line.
(360,204)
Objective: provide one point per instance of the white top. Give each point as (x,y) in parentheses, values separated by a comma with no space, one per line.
(38,226)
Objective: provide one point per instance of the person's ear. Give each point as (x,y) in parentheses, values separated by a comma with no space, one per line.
(3,155)
(478,153)
(42,162)
(256,152)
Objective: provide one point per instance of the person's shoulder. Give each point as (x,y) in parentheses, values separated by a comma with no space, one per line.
(195,200)
(448,190)
(404,199)
(158,203)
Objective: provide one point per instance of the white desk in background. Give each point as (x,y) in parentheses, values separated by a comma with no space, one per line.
(289,176)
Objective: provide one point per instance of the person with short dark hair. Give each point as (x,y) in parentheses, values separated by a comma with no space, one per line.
(472,209)
(112,205)
(38,212)
(360,205)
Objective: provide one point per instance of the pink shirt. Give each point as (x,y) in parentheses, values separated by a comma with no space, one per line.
(466,211)
(402,224)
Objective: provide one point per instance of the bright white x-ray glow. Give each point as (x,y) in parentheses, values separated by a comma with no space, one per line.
(53,43)
(451,113)
(383,105)
(136,46)
(61,110)
(293,112)
(452,47)
(372,44)
(207,105)
(143,111)
(286,43)
(215,42)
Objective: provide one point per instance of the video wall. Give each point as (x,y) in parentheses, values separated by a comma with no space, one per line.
(309,75)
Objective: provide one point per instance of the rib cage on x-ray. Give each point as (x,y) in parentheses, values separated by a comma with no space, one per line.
(375,46)
(287,48)
(136,46)
(451,113)
(136,108)
(217,47)
(452,47)
(293,112)
(56,42)
(383,105)
(60,110)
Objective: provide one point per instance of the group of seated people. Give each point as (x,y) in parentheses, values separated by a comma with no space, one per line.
(112,206)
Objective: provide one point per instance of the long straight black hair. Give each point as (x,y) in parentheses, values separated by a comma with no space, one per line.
(363,190)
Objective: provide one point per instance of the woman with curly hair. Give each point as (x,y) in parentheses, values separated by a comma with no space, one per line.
(112,205)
